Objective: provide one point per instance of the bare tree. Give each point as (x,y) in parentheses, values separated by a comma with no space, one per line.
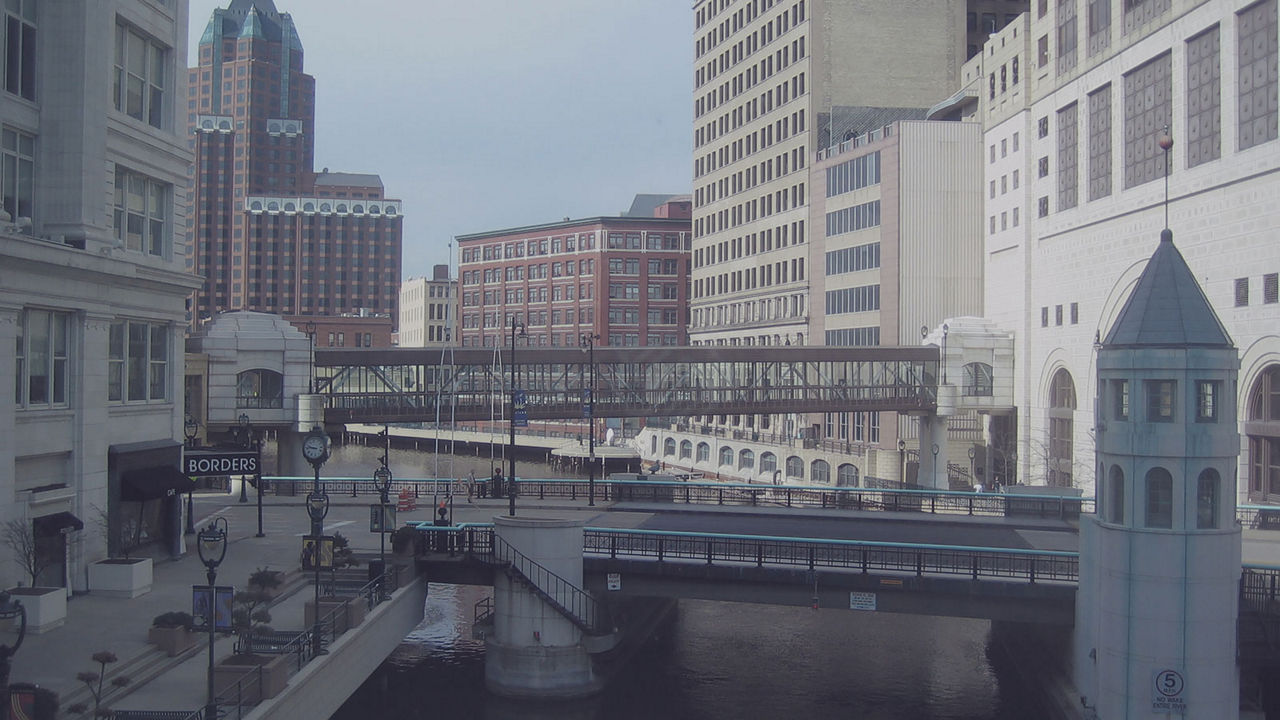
(20,536)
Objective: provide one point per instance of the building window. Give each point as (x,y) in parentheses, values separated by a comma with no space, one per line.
(1115,506)
(746,460)
(1256,27)
(1043,209)
(1100,142)
(726,456)
(821,471)
(1068,157)
(1148,107)
(1057,315)
(1120,399)
(1042,127)
(1204,98)
(1160,399)
(1075,313)
(17,181)
(1062,407)
(1207,499)
(141,213)
(1099,26)
(139,76)
(1159,498)
(977,380)
(138,362)
(795,468)
(1043,166)
(43,351)
(847,475)
(768,463)
(686,449)
(1208,394)
(1270,288)
(19,55)
(1242,292)
(704,452)
(1044,316)
(1262,426)
(259,389)
(1066,36)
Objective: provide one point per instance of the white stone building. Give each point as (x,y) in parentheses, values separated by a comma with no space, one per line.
(1078,93)
(93,251)
(428,309)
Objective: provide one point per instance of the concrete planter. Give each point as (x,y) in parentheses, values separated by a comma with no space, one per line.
(258,677)
(356,611)
(46,607)
(174,641)
(121,578)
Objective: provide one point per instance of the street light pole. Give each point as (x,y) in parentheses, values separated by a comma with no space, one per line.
(902,461)
(934,480)
(257,446)
(191,428)
(511,451)
(246,441)
(589,340)
(211,544)
(382,481)
(311,356)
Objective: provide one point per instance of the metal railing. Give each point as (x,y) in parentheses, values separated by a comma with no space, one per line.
(863,556)
(571,601)
(762,550)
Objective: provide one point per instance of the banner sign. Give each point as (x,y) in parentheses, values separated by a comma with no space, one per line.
(382,518)
(219,599)
(519,409)
(586,404)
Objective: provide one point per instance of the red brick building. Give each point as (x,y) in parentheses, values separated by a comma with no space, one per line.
(625,279)
(269,233)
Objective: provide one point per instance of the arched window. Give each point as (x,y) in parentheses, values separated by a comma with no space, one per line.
(1262,427)
(259,389)
(820,471)
(768,462)
(726,456)
(1159,498)
(795,468)
(1062,407)
(977,380)
(704,452)
(746,460)
(1207,499)
(1115,495)
(669,447)
(686,449)
(847,475)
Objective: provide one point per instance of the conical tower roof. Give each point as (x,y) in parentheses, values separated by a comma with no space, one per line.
(1167,307)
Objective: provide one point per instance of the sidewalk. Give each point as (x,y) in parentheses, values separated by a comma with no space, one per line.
(157,682)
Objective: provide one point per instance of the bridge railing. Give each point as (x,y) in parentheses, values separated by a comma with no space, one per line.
(948,502)
(1258,625)
(576,604)
(915,559)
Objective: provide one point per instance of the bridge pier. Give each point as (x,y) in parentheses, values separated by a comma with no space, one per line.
(535,651)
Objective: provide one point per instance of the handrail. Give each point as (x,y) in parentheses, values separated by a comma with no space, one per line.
(571,601)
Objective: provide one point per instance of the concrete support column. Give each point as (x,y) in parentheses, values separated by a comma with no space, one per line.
(535,651)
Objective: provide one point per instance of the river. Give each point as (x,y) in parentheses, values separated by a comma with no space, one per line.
(725,661)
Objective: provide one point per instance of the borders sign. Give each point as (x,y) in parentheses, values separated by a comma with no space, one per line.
(201,463)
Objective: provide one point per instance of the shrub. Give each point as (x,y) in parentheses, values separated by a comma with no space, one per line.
(175,619)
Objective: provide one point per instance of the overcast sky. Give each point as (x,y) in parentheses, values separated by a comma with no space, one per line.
(487,114)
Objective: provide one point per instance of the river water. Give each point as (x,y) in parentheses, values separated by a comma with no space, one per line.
(729,661)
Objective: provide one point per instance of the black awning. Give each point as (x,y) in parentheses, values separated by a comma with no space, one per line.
(55,524)
(153,483)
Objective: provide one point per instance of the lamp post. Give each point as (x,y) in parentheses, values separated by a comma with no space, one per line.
(972,454)
(945,329)
(317,509)
(382,481)
(211,543)
(244,433)
(934,479)
(588,340)
(311,356)
(191,428)
(9,610)
(511,451)
(902,460)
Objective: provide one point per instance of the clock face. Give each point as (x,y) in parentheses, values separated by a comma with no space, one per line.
(314,447)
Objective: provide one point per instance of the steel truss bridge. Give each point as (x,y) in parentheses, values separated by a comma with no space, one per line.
(471,384)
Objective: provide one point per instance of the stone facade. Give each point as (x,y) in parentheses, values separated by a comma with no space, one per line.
(94,284)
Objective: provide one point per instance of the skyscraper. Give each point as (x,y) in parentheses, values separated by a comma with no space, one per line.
(268,232)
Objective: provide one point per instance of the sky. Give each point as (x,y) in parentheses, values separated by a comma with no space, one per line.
(488,114)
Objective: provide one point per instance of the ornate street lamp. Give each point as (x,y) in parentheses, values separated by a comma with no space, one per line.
(10,609)
(934,480)
(588,341)
(902,461)
(511,451)
(382,481)
(311,356)
(972,454)
(191,428)
(211,544)
(244,433)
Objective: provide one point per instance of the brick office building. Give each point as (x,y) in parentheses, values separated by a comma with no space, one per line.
(268,232)
(625,279)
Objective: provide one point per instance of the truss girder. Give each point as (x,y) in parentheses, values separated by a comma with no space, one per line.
(408,384)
